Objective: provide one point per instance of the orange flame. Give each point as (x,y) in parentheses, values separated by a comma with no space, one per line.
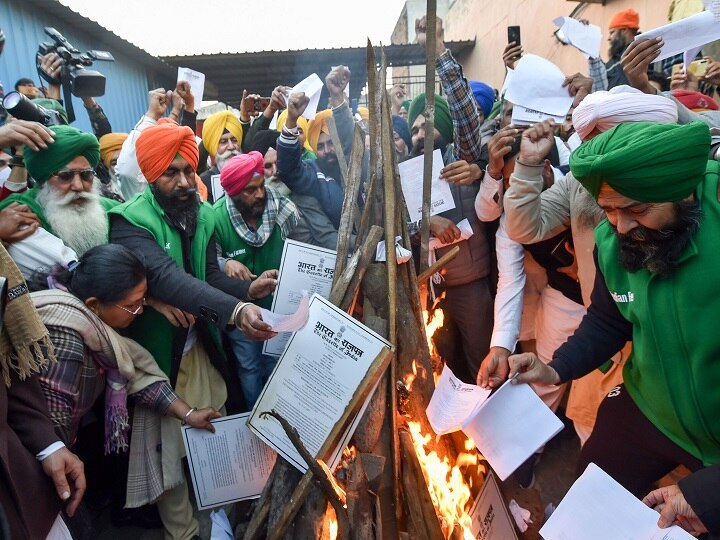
(432,323)
(333,529)
(448,489)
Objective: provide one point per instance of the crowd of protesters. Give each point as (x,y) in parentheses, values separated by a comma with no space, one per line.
(135,284)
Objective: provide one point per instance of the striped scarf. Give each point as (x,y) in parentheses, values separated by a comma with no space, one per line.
(279,211)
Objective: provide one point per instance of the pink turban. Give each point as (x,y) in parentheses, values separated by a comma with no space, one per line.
(237,173)
(605,110)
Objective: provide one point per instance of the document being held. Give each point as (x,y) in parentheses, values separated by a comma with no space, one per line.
(229,465)
(598,508)
(453,402)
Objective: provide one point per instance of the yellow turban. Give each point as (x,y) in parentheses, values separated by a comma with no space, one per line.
(364,113)
(317,126)
(214,127)
(109,144)
(302,123)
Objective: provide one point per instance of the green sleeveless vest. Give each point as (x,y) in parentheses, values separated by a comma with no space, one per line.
(151,329)
(673,374)
(257,259)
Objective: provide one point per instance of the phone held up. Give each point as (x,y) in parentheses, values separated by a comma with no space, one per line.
(514,34)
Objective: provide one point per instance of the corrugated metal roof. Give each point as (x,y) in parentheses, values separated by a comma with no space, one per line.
(260,72)
(128,78)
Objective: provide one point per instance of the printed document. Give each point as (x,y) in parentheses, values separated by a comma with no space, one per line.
(229,465)
(453,402)
(411,179)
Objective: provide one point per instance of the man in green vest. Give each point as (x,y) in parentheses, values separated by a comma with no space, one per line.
(66,198)
(251,224)
(656,283)
(175,234)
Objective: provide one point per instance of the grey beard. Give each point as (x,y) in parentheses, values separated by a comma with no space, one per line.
(80,227)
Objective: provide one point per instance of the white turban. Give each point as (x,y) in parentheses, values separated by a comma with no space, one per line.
(605,110)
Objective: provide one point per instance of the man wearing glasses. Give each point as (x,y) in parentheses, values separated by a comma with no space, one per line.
(66,198)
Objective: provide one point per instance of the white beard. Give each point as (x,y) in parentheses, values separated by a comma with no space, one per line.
(222,159)
(79,226)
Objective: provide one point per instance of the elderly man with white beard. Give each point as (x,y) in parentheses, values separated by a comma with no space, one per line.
(222,137)
(66,200)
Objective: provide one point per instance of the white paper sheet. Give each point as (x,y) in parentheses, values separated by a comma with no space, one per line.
(509,72)
(453,402)
(585,37)
(302,268)
(598,508)
(510,426)
(196,80)
(684,35)
(312,87)
(522,116)
(229,465)
(315,379)
(465,233)
(411,179)
(537,84)
(402,255)
(217,189)
(288,323)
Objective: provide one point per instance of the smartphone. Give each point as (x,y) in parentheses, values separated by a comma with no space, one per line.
(560,252)
(514,34)
(261,103)
(696,67)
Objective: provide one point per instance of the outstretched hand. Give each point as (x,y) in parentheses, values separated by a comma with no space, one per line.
(537,142)
(296,105)
(636,60)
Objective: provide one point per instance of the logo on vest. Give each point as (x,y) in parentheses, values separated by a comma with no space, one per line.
(167,246)
(235,253)
(623,298)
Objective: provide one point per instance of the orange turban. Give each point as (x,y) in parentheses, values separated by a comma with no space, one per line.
(214,127)
(157,146)
(109,144)
(627,18)
(317,126)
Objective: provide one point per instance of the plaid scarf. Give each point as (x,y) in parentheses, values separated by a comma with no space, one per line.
(62,309)
(24,343)
(279,211)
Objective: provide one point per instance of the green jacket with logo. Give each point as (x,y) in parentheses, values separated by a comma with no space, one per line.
(673,374)
(151,329)
(232,246)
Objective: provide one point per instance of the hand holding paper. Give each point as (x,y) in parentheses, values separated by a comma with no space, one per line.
(585,37)
(289,323)
(311,86)
(684,35)
(196,80)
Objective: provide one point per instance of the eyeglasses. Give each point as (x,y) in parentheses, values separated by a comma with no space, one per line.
(68,175)
(132,311)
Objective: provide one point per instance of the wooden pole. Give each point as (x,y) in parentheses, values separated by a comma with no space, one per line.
(429,129)
(349,208)
(437,265)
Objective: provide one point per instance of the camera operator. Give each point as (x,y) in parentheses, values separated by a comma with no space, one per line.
(51,65)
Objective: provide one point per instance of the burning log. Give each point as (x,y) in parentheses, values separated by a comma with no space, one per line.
(437,265)
(417,496)
(359,504)
(319,472)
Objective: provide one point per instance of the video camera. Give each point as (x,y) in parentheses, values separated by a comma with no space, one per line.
(80,81)
(24,109)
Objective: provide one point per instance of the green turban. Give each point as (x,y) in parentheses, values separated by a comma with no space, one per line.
(644,161)
(443,122)
(53,104)
(69,143)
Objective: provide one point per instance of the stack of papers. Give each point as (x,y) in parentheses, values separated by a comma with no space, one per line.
(536,91)
(598,508)
(584,37)
(507,427)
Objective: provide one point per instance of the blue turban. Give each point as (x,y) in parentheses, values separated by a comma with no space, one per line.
(484,95)
(400,126)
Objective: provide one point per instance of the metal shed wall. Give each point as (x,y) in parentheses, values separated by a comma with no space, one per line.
(128,78)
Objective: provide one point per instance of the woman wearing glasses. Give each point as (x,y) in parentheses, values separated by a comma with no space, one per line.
(104,291)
